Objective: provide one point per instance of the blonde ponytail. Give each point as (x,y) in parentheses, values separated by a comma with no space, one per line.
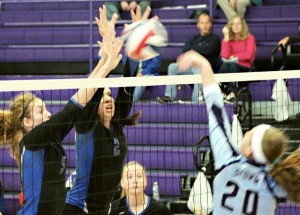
(287,174)
(11,128)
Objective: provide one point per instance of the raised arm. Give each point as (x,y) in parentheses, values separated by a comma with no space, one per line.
(110,57)
(109,52)
(110,48)
(219,127)
(125,95)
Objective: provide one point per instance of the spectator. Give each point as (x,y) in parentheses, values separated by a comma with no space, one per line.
(238,51)
(124,6)
(145,68)
(3,210)
(207,44)
(236,7)
(133,198)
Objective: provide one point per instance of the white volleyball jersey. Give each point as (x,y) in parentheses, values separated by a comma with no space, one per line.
(241,186)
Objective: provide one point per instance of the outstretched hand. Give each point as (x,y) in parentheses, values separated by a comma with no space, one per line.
(110,46)
(193,59)
(137,16)
(113,46)
(106,29)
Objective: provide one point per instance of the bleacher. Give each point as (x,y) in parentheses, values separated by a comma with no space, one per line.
(37,33)
(56,39)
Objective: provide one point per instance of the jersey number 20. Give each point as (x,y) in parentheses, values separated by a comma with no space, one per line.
(246,210)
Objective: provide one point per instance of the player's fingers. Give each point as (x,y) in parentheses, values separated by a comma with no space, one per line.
(147,13)
(138,13)
(133,16)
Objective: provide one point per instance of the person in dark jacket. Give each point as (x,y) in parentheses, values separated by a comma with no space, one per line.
(35,138)
(133,198)
(205,43)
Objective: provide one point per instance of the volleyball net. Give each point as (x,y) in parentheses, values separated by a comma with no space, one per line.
(167,138)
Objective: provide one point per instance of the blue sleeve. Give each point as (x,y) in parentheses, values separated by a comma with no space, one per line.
(76,103)
(219,127)
(151,66)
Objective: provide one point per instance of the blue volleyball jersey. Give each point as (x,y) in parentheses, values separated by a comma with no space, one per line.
(100,152)
(84,160)
(44,162)
(153,207)
(241,186)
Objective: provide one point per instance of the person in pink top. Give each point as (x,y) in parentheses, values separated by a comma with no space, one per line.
(237,51)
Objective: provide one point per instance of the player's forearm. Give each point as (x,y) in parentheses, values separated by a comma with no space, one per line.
(207,74)
(99,65)
(84,95)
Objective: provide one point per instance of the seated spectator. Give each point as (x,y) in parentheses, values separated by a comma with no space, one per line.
(205,43)
(289,40)
(236,7)
(238,51)
(124,6)
(133,198)
(3,211)
(146,68)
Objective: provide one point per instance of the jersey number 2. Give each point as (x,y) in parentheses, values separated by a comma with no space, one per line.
(248,194)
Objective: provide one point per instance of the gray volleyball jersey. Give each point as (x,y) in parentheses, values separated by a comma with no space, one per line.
(241,186)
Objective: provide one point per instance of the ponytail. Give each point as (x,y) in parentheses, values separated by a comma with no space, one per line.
(11,128)
(287,174)
(132,120)
(5,127)
(10,134)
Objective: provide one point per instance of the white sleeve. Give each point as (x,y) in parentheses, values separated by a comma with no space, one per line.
(219,126)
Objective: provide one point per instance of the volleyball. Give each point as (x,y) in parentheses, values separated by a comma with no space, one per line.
(144,39)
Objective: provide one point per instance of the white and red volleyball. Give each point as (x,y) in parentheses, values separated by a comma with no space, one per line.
(144,39)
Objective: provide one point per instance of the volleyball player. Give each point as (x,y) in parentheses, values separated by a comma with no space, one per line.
(101,145)
(248,182)
(35,138)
